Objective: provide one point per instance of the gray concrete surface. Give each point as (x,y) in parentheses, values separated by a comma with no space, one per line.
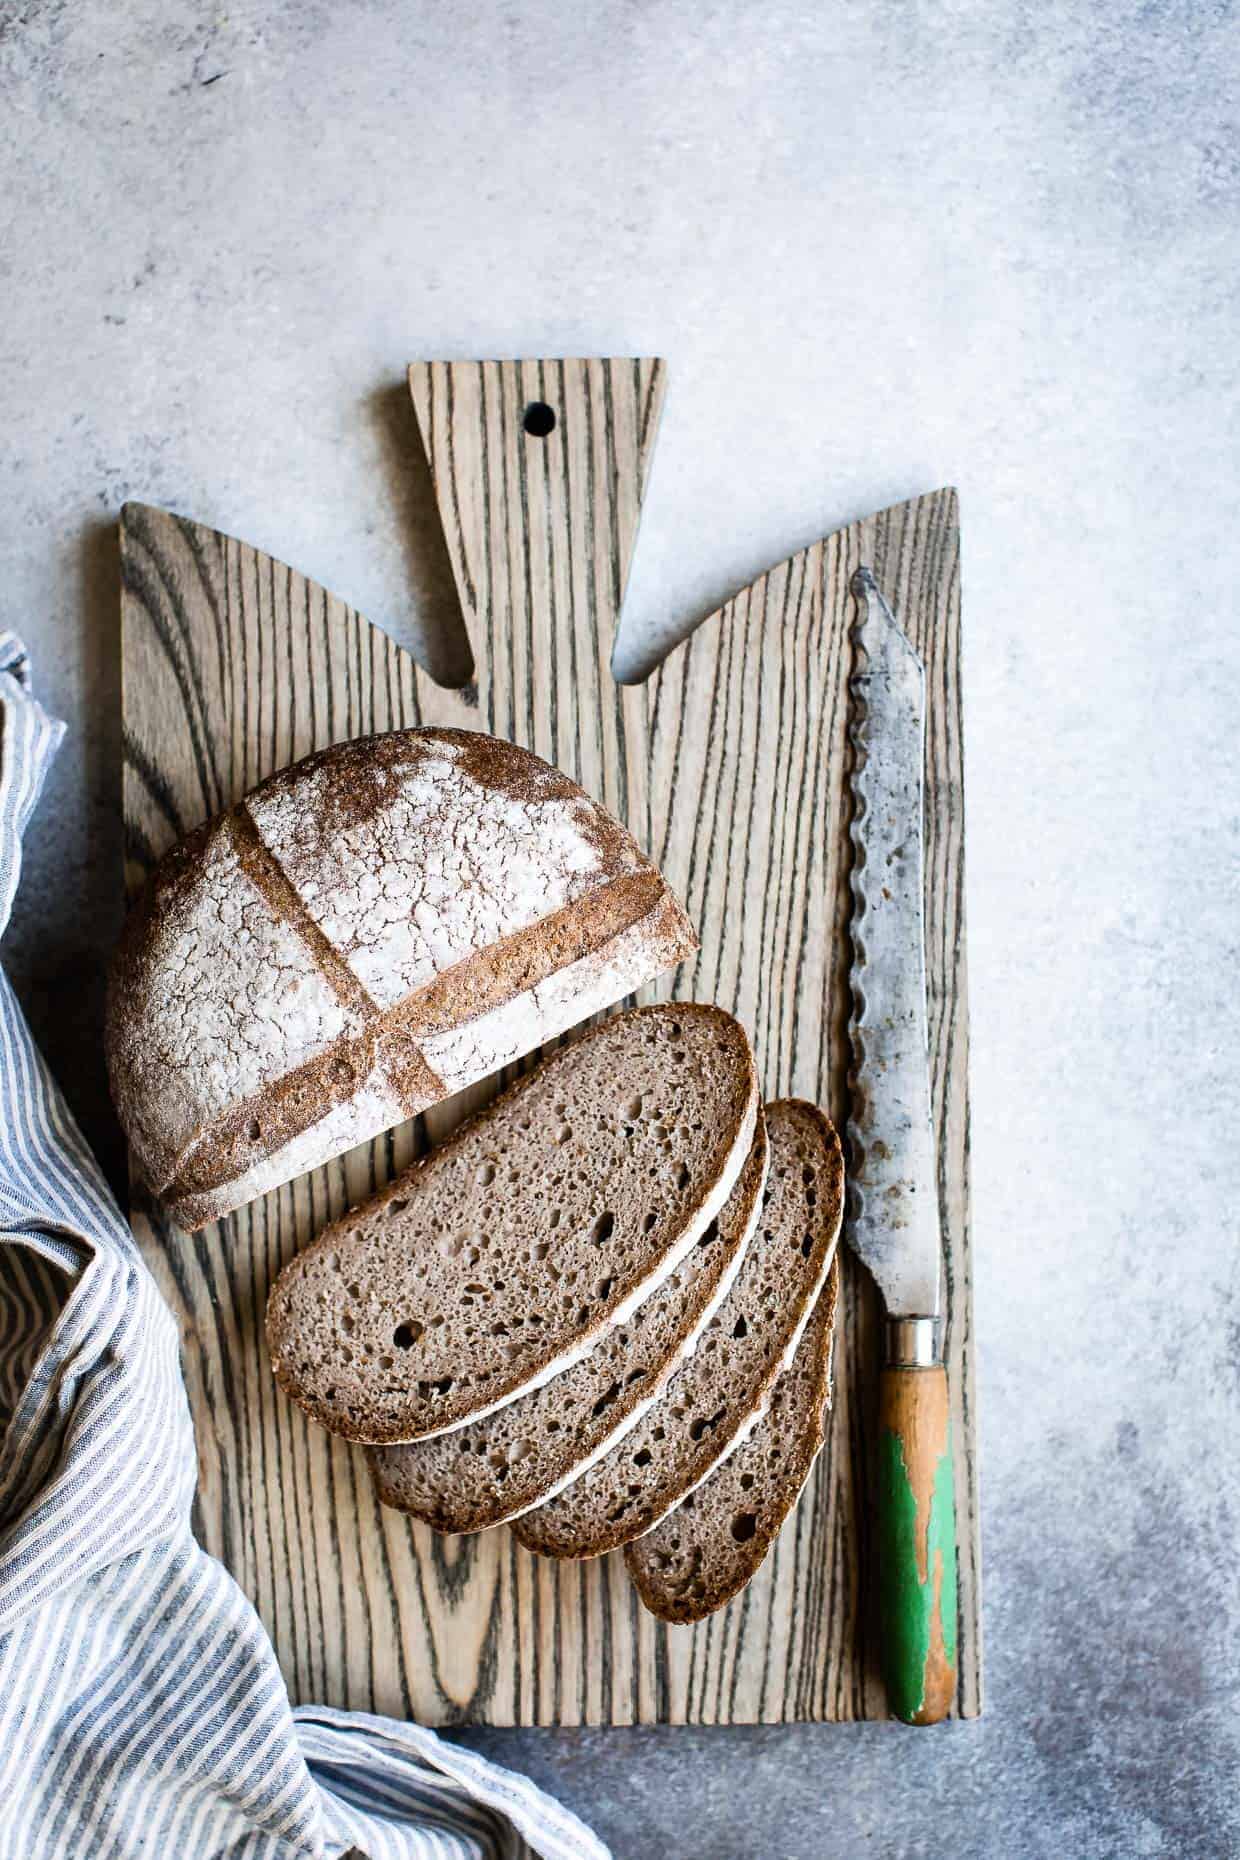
(882,246)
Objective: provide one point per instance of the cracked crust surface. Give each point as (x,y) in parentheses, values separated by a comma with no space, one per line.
(714,1542)
(720,1394)
(502,840)
(494,1469)
(499,1260)
(366,933)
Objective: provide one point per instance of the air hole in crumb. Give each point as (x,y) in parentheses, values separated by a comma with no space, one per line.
(634,1110)
(650,1223)
(354,1290)
(347,1323)
(746,1481)
(603,1228)
(394,1208)
(255,1130)
(807,1246)
(683,1179)
(484,1175)
(706,1424)
(740,1328)
(744,1526)
(604,1288)
(407,1334)
(643,1458)
(605,1400)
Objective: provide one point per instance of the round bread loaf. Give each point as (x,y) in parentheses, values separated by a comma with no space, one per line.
(364,934)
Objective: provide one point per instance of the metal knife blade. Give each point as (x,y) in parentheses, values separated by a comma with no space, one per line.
(894,1210)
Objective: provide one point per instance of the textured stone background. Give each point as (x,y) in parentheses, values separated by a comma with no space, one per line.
(883,247)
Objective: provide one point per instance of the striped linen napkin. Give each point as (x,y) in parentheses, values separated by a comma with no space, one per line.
(142,1711)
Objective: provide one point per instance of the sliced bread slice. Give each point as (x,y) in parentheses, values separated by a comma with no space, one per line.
(724,1388)
(493,1469)
(502,1257)
(704,1552)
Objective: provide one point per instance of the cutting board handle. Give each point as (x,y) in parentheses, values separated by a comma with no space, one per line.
(917,1543)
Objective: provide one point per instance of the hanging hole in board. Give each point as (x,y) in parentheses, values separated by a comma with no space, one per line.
(539,419)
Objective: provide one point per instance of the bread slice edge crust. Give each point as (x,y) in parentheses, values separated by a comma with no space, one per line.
(612,1534)
(641,1556)
(710,1199)
(465,1523)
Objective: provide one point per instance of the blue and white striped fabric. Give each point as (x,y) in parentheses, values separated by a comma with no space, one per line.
(141,1707)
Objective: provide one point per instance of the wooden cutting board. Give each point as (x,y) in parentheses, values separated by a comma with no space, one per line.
(729,765)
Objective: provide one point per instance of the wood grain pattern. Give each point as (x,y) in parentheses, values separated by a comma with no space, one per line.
(540,534)
(729,765)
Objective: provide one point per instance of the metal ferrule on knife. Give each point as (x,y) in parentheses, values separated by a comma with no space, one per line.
(912,1342)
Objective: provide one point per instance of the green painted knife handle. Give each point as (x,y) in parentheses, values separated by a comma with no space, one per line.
(917,1543)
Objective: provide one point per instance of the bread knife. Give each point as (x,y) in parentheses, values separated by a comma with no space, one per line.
(893,1217)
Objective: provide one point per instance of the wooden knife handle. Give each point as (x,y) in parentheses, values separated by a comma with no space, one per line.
(917,1543)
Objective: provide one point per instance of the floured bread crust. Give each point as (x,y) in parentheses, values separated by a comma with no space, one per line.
(366,933)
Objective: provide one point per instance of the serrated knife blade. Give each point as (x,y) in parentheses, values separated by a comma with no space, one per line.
(894,1212)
